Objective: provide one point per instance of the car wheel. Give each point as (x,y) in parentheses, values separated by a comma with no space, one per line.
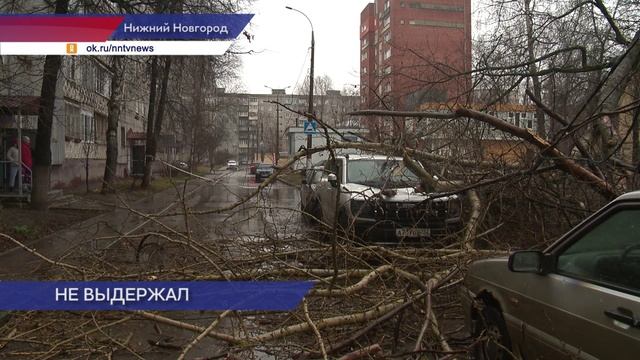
(493,339)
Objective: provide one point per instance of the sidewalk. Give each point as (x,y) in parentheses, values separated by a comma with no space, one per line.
(17,263)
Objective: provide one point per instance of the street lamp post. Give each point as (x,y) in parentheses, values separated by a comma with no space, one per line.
(310,111)
(277,119)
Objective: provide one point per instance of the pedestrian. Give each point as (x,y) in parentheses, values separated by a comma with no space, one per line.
(27,160)
(13,156)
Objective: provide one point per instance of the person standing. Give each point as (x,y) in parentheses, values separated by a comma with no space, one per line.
(13,156)
(27,160)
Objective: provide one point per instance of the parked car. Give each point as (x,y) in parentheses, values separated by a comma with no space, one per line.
(577,299)
(232,165)
(180,165)
(263,171)
(309,202)
(381,200)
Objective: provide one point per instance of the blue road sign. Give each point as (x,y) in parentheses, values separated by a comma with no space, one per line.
(310,127)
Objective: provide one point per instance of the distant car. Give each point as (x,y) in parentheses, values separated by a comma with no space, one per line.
(577,299)
(180,165)
(263,171)
(252,168)
(232,165)
(309,202)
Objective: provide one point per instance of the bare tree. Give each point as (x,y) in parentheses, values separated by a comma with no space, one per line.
(42,155)
(117,82)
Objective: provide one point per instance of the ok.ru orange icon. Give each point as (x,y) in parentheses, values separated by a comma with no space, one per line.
(72,48)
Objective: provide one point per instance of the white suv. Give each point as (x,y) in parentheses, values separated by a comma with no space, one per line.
(381,200)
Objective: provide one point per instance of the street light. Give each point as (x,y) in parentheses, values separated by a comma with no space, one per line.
(310,111)
(277,119)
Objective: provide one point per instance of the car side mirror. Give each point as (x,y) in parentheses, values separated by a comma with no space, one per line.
(528,262)
(333,180)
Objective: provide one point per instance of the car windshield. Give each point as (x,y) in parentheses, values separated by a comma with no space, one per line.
(374,172)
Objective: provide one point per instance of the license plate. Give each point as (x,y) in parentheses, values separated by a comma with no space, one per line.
(412,233)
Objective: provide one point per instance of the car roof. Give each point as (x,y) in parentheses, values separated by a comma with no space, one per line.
(634,195)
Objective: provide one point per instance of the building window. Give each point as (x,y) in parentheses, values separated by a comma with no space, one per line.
(364,43)
(100,128)
(387,54)
(123,137)
(387,36)
(364,70)
(386,5)
(102,81)
(89,123)
(386,22)
(401,22)
(88,71)
(364,55)
(74,129)
(387,70)
(432,23)
(438,7)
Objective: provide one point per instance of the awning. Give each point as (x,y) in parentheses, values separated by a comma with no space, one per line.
(25,105)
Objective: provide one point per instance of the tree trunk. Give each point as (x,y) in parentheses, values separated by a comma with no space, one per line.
(197,121)
(612,91)
(42,153)
(111,166)
(153,132)
(146,179)
(533,69)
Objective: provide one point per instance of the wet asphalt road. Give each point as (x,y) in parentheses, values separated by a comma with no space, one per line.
(267,210)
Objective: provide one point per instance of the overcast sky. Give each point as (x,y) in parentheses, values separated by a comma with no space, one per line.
(283,38)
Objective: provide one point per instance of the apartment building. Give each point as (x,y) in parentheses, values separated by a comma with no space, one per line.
(261,125)
(414,51)
(78,140)
(474,140)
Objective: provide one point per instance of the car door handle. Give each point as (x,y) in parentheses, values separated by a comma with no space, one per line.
(624,316)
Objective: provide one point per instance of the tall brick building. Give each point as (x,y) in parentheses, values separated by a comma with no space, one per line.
(414,52)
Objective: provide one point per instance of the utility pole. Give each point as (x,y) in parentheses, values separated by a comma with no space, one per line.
(310,136)
(310,111)
(277,128)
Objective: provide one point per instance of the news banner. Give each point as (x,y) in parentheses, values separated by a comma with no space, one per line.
(139,34)
(152,295)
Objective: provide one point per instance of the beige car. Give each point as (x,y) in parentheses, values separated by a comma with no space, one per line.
(578,299)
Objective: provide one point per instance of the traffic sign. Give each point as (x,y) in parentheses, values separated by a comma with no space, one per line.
(310,127)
